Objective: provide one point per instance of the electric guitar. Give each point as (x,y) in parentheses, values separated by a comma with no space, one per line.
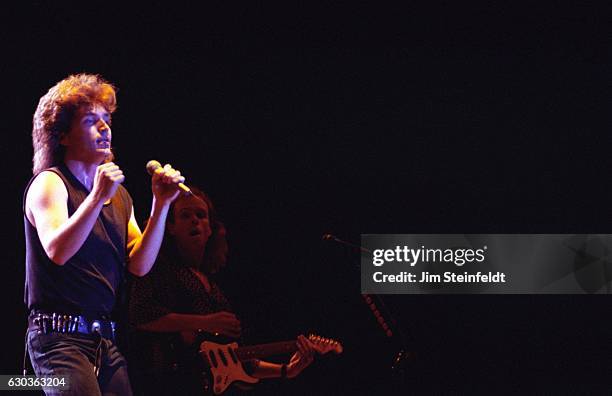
(225,360)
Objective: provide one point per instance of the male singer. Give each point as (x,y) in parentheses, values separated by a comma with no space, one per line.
(81,237)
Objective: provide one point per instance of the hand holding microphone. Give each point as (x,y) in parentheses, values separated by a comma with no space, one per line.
(166,182)
(107,180)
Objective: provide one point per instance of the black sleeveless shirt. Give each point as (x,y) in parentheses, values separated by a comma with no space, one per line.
(91,282)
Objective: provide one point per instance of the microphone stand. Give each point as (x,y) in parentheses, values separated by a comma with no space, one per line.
(376,305)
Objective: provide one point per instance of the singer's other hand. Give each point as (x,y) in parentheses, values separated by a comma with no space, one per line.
(107,180)
(164,184)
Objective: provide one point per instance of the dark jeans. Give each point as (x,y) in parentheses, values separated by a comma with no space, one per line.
(73,356)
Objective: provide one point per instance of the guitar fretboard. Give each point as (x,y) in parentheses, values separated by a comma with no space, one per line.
(263,350)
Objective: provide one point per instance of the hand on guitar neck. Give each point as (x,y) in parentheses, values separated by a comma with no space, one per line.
(302,357)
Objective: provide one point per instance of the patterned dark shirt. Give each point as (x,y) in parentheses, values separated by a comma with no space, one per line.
(170,287)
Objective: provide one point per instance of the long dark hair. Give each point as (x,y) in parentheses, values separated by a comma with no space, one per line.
(211,262)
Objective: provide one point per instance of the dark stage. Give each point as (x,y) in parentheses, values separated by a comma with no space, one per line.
(350,120)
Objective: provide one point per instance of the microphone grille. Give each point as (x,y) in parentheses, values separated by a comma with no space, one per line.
(152,165)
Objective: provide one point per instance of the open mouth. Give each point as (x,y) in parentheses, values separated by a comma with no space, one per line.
(103,142)
(194,232)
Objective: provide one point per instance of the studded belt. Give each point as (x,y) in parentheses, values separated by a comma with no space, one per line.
(48,322)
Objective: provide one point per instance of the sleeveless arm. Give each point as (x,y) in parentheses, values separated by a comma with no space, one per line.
(144,247)
(47,209)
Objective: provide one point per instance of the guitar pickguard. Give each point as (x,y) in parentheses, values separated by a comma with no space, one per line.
(225,367)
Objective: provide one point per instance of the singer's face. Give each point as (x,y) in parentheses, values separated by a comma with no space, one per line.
(89,138)
(191,223)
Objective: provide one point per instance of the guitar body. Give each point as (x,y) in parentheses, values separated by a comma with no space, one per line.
(224,361)
(225,367)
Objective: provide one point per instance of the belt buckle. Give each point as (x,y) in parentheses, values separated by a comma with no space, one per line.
(40,321)
(96,326)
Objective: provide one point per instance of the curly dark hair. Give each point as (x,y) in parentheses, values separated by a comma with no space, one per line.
(57,108)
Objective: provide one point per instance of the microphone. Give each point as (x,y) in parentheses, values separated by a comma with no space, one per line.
(330,237)
(380,312)
(153,165)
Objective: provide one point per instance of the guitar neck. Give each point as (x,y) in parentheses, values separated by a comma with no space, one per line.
(264,350)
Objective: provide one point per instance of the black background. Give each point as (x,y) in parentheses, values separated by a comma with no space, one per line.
(301,121)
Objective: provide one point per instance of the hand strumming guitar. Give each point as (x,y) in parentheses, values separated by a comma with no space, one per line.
(223,323)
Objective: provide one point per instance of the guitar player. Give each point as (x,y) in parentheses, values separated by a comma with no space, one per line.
(177,302)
